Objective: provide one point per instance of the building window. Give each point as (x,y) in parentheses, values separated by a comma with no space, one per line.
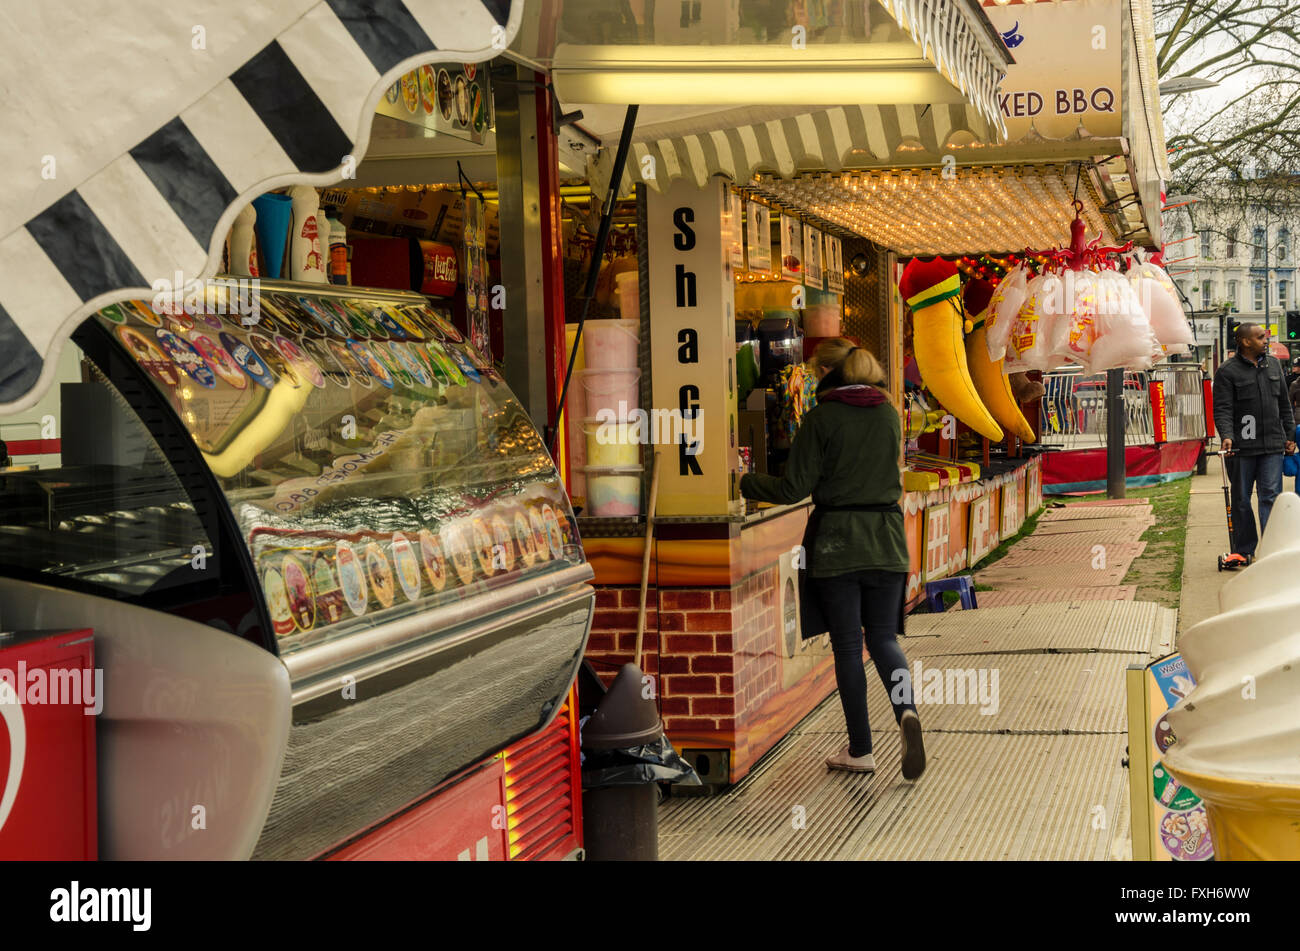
(1207,295)
(1232,295)
(1232,243)
(1259,295)
(1284,245)
(1207,246)
(1257,252)
(1281,294)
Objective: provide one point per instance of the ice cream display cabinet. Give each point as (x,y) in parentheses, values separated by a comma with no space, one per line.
(331,570)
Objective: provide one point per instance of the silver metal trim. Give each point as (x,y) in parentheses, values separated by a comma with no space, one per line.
(360,653)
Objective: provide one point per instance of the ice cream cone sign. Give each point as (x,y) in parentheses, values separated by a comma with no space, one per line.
(931,289)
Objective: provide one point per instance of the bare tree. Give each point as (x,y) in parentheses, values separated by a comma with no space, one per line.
(1252,49)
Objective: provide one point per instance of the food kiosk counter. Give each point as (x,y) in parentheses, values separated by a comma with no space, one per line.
(327,559)
(722,629)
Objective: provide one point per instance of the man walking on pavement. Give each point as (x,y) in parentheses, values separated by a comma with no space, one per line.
(1252,412)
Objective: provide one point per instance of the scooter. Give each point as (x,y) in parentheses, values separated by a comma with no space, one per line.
(1231,561)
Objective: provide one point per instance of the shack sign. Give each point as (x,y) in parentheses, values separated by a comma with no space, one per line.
(1067,69)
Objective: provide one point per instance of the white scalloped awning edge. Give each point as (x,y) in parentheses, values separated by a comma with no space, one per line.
(295,108)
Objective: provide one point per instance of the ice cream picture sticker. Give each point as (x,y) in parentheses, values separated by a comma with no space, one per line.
(302,599)
(299,360)
(380,574)
(148,355)
(187,358)
(272,357)
(1186,835)
(368,360)
(220,361)
(351,578)
(435,566)
(1170,793)
(277,603)
(329,597)
(408,566)
(247,360)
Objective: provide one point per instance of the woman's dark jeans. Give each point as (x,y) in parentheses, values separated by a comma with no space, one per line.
(865,602)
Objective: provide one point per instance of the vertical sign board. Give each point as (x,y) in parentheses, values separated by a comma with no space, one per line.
(1159,411)
(692,340)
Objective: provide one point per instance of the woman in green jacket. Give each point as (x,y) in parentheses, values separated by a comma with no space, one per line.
(845,455)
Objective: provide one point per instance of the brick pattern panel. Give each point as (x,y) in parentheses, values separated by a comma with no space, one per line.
(689,640)
(758,661)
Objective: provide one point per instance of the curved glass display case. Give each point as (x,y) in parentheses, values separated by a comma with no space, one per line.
(375,463)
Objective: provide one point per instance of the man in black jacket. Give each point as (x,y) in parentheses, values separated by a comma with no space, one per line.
(1252,412)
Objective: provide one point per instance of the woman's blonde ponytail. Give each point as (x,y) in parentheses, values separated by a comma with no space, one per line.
(856,365)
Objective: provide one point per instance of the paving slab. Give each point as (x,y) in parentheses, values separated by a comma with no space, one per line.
(1074,574)
(1084,552)
(1009,596)
(1120,626)
(1131,527)
(1092,512)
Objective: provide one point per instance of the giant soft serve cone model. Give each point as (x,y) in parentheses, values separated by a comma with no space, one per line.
(930,289)
(992,385)
(1238,731)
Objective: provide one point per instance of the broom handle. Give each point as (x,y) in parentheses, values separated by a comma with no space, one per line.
(645,557)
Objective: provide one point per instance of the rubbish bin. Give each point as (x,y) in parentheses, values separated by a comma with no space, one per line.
(625,757)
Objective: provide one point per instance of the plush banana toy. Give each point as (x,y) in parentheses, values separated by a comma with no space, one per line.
(930,289)
(990,382)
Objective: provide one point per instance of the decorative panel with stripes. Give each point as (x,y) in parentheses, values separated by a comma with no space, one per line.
(202,106)
(543,783)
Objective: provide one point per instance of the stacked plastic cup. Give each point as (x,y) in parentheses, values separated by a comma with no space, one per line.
(611,387)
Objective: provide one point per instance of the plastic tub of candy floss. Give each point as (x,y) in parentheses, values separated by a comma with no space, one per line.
(628,288)
(611,391)
(822,320)
(612,444)
(611,344)
(614,490)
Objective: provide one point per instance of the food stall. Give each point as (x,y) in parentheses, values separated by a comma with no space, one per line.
(696,351)
(880,184)
(330,573)
(343,485)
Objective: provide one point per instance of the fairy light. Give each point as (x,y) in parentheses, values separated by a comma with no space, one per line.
(919,212)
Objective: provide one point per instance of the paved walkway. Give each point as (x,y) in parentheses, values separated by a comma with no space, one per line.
(1207,538)
(1029,770)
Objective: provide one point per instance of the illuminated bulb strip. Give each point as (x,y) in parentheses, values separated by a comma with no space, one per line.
(919,212)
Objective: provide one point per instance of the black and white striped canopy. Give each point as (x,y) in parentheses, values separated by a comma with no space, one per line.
(135,131)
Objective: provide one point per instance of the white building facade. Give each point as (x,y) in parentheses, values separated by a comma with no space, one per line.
(1230,253)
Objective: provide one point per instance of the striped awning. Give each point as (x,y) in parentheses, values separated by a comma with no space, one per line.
(132,142)
(828,138)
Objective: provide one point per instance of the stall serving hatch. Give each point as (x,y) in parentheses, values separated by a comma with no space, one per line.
(339,479)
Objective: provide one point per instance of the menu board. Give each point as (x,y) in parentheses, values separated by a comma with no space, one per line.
(812,255)
(791,248)
(758,236)
(375,462)
(834,264)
